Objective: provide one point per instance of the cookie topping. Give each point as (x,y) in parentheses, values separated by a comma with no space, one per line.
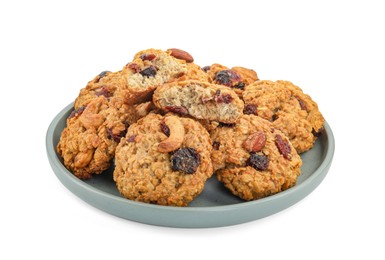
(206,68)
(103,91)
(227,77)
(250,109)
(186,160)
(317,133)
(147,56)
(301,103)
(177,110)
(283,147)
(102,75)
(116,137)
(222,98)
(257,161)
(131,139)
(77,112)
(182,55)
(220,124)
(148,72)
(216,145)
(240,85)
(134,67)
(164,128)
(175,139)
(255,142)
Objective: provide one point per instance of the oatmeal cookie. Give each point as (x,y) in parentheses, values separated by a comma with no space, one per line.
(88,142)
(253,159)
(236,78)
(148,70)
(200,100)
(105,84)
(290,110)
(163,160)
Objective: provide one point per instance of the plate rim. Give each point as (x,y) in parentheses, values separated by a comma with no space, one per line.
(327,157)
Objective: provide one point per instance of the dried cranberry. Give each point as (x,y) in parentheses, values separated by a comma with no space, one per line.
(186,160)
(257,161)
(148,72)
(134,67)
(77,112)
(250,109)
(181,110)
(147,56)
(103,91)
(283,146)
(227,77)
(116,137)
(220,98)
(216,145)
(164,128)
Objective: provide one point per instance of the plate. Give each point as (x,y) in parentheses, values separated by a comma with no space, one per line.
(214,207)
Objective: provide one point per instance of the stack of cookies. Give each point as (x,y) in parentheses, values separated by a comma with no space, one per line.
(166,125)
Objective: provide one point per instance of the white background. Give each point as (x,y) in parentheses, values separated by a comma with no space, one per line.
(334,50)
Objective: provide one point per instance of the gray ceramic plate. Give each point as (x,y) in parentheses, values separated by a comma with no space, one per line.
(214,207)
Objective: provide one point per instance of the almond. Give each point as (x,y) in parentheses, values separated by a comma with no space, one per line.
(255,142)
(182,55)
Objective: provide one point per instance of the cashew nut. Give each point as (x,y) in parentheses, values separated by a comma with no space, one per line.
(90,117)
(174,141)
(82,159)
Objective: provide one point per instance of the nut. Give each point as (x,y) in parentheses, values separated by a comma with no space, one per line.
(182,55)
(174,141)
(83,159)
(90,118)
(255,142)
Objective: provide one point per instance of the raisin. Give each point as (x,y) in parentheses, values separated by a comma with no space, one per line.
(131,139)
(274,117)
(147,56)
(220,98)
(216,145)
(317,133)
(181,110)
(77,112)
(227,77)
(164,128)
(257,161)
(206,68)
(240,86)
(283,147)
(134,67)
(148,72)
(186,160)
(250,109)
